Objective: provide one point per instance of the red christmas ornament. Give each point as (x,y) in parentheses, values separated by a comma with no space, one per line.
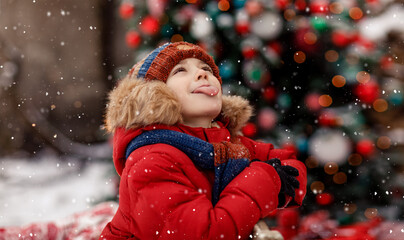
(133,39)
(341,38)
(126,10)
(249,52)
(253,8)
(324,199)
(276,47)
(365,147)
(282,4)
(319,6)
(327,118)
(386,62)
(367,92)
(365,43)
(269,94)
(242,27)
(312,103)
(267,119)
(149,25)
(249,130)
(300,5)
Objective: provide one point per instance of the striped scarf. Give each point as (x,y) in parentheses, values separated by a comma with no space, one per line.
(225,158)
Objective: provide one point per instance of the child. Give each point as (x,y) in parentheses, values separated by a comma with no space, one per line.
(186,173)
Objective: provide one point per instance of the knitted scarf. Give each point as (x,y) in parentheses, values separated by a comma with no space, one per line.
(225,158)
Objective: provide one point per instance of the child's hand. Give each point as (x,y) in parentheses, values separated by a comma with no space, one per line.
(288,175)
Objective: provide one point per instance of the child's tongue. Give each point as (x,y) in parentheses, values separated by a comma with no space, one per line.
(208,90)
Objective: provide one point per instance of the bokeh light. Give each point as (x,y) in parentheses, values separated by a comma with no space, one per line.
(336,8)
(317,187)
(363,77)
(177,38)
(340,178)
(289,14)
(299,57)
(350,208)
(331,168)
(331,56)
(310,38)
(325,100)
(338,81)
(383,142)
(371,213)
(311,162)
(355,13)
(223,5)
(355,159)
(380,105)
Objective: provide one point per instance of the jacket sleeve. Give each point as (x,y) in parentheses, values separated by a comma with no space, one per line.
(171,199)
(265,151)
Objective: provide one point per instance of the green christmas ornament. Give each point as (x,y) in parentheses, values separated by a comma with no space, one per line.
(319,23)
(255,73)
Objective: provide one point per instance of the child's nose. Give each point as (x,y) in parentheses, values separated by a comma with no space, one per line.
(201,74)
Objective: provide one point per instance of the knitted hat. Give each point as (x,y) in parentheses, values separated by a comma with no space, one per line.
(159,63)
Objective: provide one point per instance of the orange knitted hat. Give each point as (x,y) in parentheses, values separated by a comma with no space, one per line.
(158,64)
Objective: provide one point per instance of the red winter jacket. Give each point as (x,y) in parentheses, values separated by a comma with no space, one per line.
(163,195)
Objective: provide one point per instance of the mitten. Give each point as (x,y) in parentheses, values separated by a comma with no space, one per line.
(288,175)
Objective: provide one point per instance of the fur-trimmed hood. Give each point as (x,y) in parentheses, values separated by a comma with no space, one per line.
(137,103)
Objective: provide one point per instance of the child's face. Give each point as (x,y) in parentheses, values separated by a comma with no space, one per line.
(198,91)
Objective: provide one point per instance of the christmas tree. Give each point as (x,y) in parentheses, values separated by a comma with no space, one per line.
(323,85)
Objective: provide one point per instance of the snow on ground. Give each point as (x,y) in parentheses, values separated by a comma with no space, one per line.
(49,189)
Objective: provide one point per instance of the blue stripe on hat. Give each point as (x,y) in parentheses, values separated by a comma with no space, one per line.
(148,61)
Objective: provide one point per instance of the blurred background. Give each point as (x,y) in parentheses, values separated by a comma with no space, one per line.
(326,78)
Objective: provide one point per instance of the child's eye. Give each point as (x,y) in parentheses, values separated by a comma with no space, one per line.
(179,69)
(207,68)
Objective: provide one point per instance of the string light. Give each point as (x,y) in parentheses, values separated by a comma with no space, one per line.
(383,142)
(355,13)
(289,14)
(317,187)
(311,162)
(331,56)
(310,38)
(350,208)
(371,213)
(299,57)
(223,5)
(336,8)
(325,100)
(338,81)
(380,105)
(355,159)
(339,178)
(177,38)
(363,77)
(331,168)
